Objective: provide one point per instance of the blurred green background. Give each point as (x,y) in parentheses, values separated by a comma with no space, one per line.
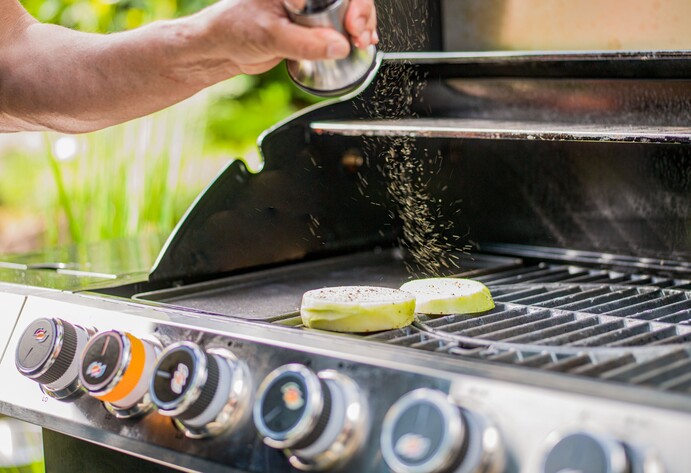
(140,176)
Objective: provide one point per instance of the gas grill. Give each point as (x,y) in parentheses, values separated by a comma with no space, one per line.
(561,180)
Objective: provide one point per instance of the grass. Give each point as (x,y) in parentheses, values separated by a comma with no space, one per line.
(138,177)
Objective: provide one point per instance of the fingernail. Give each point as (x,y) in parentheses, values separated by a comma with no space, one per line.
(375,38)
(338,50)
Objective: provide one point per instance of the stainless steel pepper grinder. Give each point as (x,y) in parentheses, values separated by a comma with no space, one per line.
(335,76)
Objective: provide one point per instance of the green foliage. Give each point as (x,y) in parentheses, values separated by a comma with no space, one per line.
(106,16)
(142,175)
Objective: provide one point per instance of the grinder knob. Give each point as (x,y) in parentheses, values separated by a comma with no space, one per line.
(334,76)
(48,352)
(318,419)
(115,368)
(206,393)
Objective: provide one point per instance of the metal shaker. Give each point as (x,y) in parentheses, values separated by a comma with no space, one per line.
(334,76)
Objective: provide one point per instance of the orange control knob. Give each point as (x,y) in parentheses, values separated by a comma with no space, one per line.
(116,368)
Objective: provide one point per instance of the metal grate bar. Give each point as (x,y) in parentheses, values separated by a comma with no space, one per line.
(501,294)
(586,294)
(431,344)
(601,277)
(569,363)
(592,305)
(613,336)
(656,313)
(509,356)
(652,301)
(664,374)
(537,361)
(575,274)
(641,280)
(522,277)
(654,336)
(628,301)
(499,314)
(626,373)
(677,317)
(680,383)
(588,333)
(493,278)
(399,336)
(546,336)
(532,327)
(598,368)
(582,295)
(681,338)
(545,298)
(557,275)
(508,322)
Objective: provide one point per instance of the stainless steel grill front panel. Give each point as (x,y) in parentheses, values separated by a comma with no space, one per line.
(509,399)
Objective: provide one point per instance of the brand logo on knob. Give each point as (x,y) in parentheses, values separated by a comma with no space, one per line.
(179,380)
(95,369)
(412,446)
(40,335)
(292,396)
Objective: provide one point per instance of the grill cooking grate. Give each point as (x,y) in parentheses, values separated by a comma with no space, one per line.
(633,329)
(550,273)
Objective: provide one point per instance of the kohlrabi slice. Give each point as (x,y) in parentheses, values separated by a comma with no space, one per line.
(357,308)
(442,296)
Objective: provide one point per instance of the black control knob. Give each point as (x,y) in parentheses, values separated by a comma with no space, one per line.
(48,352)
(425,432)
(318,419)
(292,408)
(584,451)
(206,392)
(115,368)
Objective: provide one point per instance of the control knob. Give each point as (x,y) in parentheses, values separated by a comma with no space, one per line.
(585,451)
(424,432)
(319,420)
(48,353)
(116,368)
(205,392)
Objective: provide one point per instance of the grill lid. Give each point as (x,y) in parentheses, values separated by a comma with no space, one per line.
(586,151)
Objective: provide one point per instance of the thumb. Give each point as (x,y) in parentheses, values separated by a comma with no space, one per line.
(299,42)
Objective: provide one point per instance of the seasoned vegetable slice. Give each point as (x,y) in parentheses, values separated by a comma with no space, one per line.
(442,296)
(357,308)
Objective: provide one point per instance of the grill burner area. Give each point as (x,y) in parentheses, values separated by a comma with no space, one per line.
(275,294)
(627,329)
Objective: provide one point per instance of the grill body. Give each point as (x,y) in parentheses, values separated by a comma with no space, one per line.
(562,180)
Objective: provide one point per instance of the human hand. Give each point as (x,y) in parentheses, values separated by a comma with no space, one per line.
(252,36)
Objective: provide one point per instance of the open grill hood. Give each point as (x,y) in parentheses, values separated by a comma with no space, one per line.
(585,152)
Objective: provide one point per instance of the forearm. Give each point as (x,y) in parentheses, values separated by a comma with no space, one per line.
(53,78)
(77,82)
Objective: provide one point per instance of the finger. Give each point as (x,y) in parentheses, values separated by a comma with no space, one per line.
(361,22)
(298,42)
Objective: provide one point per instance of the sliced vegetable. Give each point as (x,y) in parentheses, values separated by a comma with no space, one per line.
(357,308)
(441,296)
